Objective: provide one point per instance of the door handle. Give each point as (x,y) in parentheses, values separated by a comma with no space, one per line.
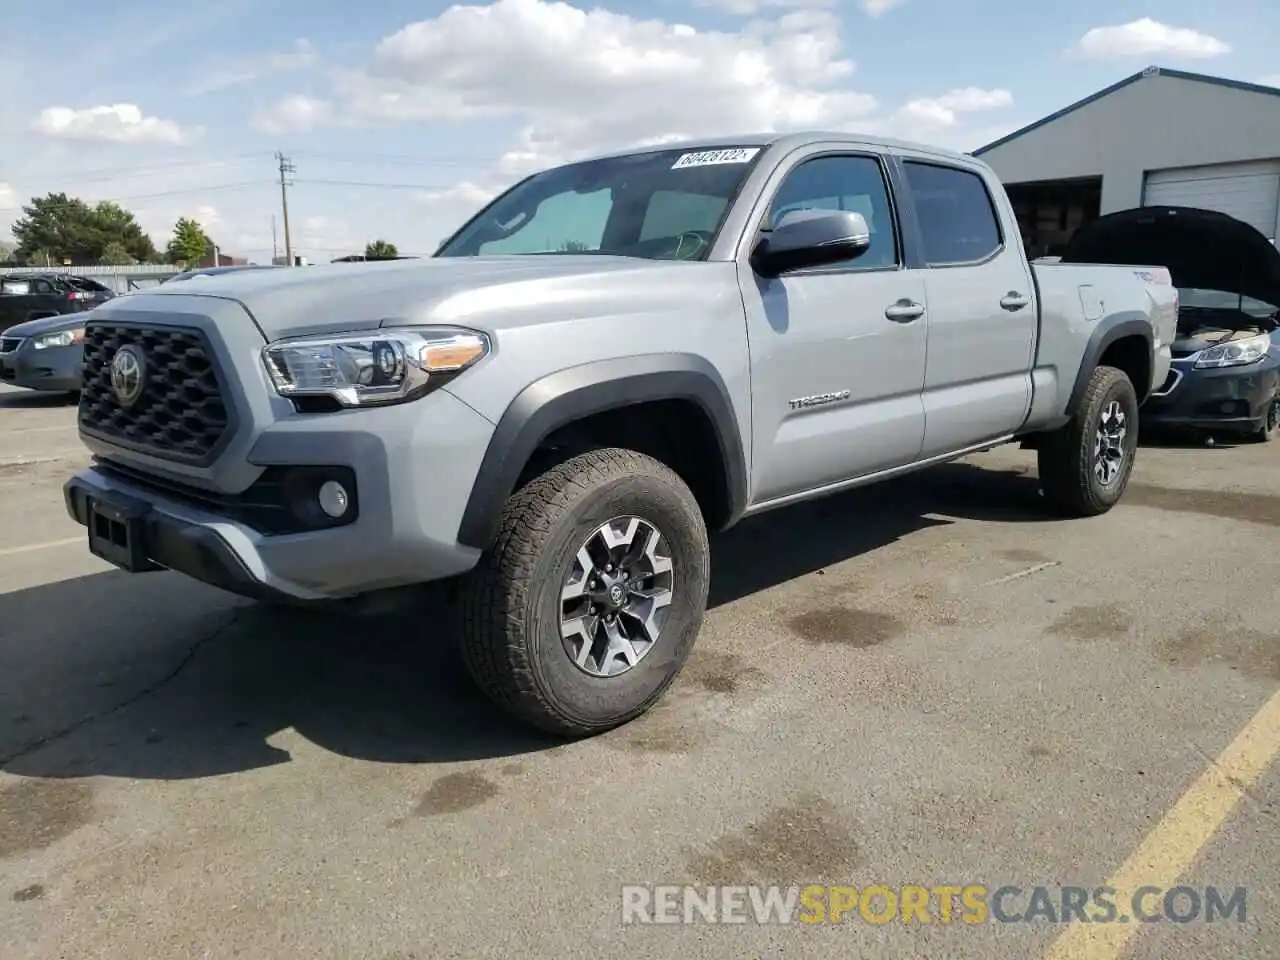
(1013,301)
(904,311)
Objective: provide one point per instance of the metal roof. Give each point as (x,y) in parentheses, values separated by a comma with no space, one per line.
(786,140)
(1141,75)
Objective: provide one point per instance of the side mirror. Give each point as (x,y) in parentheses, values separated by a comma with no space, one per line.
(811,238)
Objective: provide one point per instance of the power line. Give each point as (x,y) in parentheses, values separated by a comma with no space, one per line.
(372,184)
(396,159)
(186,191)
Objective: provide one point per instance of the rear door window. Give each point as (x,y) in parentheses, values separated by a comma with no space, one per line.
(957,218)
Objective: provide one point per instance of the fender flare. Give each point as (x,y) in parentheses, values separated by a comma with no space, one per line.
(577,392)
(1108,331)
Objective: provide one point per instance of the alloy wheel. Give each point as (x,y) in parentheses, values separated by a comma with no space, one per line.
(615,599)
(1109,450)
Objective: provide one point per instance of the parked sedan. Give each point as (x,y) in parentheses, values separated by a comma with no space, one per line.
(44,354)
(1225,376)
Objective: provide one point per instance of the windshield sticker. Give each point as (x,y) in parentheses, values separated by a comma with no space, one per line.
(707,158)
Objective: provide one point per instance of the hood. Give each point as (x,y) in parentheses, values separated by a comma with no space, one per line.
(63,321)
(1202,249)
(483,292)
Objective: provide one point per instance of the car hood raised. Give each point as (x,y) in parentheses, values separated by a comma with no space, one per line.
(64,321)
(482,292)
(1202,249)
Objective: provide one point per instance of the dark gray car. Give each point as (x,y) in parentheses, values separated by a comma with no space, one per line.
(44,354)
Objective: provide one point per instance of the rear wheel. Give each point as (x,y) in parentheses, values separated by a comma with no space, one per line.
(585,610)
(1085,466)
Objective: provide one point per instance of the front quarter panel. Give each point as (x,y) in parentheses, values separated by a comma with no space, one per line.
(616,328)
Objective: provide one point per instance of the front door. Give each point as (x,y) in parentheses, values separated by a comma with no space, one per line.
(837,352)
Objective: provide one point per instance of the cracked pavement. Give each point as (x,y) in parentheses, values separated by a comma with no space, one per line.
(923,682)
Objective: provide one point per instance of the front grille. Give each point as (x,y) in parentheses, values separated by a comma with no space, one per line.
(181,413)
(10,344)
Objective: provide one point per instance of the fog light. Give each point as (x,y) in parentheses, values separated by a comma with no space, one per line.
(333,498)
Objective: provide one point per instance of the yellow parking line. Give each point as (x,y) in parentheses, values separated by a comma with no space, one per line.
(47,545)
(1173,844)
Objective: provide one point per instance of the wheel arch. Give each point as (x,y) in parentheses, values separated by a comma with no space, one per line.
(1122,340)
(561,400)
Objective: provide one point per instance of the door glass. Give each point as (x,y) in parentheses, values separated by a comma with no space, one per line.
(855,184)
(958,221)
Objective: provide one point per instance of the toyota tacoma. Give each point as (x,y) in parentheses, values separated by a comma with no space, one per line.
(609,361)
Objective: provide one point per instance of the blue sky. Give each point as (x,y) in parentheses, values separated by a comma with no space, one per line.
(402,117)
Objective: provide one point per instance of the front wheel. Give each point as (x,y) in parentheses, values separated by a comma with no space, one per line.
(584,611)
(1269,426)
(1085,466)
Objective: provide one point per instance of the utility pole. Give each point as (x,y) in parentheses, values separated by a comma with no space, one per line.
(275,249)
(286,168)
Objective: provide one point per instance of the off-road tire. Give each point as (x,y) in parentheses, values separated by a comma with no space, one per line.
(509,605)
(1066,456)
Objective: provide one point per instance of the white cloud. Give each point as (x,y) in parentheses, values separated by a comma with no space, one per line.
(531,61)
(298,57)
(295,114)
(1270,80)
(876,8)
(8,199)
(1148,38)
(463,195)
(115,123)
(749,7)
(922,116)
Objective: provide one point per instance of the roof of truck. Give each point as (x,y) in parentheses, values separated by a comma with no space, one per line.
(789,140)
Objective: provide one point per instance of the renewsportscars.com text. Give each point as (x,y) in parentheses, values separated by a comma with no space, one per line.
(967,904)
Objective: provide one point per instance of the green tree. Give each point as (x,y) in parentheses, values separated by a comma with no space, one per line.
(115,254)
(67,228)
(189,242)
(380,250)
(572,246)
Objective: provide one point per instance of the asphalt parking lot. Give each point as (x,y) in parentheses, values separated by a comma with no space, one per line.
(927,682)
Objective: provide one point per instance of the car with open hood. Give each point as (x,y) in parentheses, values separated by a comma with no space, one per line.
(1225,373)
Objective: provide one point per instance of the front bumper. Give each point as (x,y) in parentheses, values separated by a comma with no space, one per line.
(54,369)
(414,464)
(1229,399)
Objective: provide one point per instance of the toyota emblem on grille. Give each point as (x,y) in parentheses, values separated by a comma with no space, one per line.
(128,375)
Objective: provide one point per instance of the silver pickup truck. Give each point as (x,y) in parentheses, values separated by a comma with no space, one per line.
(608,361)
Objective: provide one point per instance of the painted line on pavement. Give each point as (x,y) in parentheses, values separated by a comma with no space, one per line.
(1173,844)
(32,547)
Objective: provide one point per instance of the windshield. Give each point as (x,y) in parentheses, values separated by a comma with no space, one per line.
(664,205)
(1220,300)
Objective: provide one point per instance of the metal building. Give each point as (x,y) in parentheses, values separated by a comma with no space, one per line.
(1159,137)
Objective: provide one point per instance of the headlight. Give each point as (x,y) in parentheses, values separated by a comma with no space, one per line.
(377,367)
(63,338)
(1235,353)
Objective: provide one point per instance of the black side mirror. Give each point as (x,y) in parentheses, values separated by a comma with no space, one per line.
(811,238)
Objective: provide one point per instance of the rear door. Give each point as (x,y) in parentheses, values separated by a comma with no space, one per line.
(982,306)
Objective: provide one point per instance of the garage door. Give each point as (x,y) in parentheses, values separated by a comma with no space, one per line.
(1246,191)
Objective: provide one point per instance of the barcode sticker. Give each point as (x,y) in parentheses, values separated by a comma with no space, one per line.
(707,158)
